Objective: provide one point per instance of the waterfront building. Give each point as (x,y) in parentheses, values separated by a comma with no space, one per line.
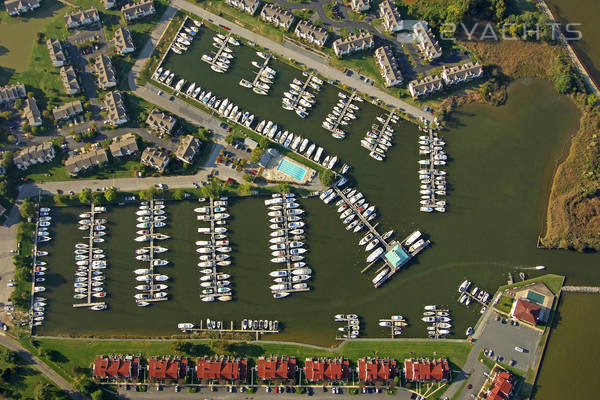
(277,367)
(326,370)
(187,148)
(140,9)
(32,155)
(80,18)
(426,370)
(115,368)
(113,104)
(462,73)
(67,110)
(532,303)
(163,369)
(502,384)
(250,143)
(32,112)
(265,159)
(122,41)
(311,33)
(353,43)
(156,158)
(248,6)
(428,44)
(377,369)
(105,72)
(360,5)
(69,80)
(18,7)
(160,122)
(392,21)
(425,86)
(84,161)
(10,93)
(124,145)
(222,368)
(56,52)
(277,16)
(388,66)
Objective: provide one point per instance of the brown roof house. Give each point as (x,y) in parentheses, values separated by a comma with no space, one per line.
(69,80)
(388,66)
(18,7)
(32,112)
(105,72)
(277,16)
(140,9)
(10,93)
(187,148)
(56,52)
(34,155)
(67,110)
(80,18)
(116,113)
(161,122)
(83,161)
(155,158)
(124,145)
(532,303)
(353,43)
(311,33)
(122,41)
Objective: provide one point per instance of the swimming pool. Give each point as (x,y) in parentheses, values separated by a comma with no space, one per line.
(291,169)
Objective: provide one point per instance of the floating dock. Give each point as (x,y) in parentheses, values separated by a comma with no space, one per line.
(220,50)
(381,133)
(231,329)
(333,127)
(438,186)
(352,328)
(395,327)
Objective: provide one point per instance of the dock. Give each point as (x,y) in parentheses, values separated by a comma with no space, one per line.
(436,332)
(305,84)
(201,327)
(395,327)
(352,326)
(262,70)
(220,50)
(437,184)
(473,295)
(380,133)
(333,128)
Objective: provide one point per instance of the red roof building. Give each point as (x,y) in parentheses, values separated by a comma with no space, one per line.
(502,386)
(160,368)
(222,368)
(426,370)
(526,311)
(374,369)
(116,367)
(276,368)
(326,369)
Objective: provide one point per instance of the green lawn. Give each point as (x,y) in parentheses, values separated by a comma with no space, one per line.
(504,304)
(21,380)
(553,281)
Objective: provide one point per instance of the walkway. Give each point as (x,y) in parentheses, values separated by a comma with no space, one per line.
(8,242)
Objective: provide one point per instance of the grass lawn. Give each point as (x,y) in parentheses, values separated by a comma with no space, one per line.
(504,304)
(553,281)
(81,352)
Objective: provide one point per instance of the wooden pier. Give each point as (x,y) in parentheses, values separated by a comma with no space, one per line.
(432,172)
(220,51)
(231,329)
(343,112)
(474,297)
(396,324)
(435,333)
(261,71)
(294,103)
(381,131)
(350,322)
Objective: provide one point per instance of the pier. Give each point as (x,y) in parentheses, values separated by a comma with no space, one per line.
(437,330)
(372,144)
(351,328)
(152,249)
(333,127)
(213,64)
(232,329)
(262,70)
(294,103)
(395,326)
(581,289)
(435,181)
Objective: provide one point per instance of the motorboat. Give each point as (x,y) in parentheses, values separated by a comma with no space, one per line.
(375,254)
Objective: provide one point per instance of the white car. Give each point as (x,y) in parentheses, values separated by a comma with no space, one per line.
(10,284)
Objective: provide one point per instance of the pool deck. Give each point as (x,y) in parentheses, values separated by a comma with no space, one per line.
(272,174)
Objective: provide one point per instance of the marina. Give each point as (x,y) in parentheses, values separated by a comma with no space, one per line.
(432,178)
(297,98)
(378,140)
(214,253)
(221,59)
(263,78)
(91,262)
(395,323)
(470,293)
(256,327)
(38,303)
(439,321)
(351,328)
(342,114)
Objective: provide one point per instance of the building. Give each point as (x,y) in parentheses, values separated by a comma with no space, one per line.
(67,110)
(392,21)
(429,46)
(311,33)
(56,52)
(187,148)
(277,16)
(34,155)
(140,9)
(105,72)
(425,86)
(222,368)
(278,367)
(267,156)
(155,158)
(18,7)
(425,370)
(124,145)
(32,112)
(167,368)
(250,143)
(353,43)
(247,6)
(528,311)
(388,66)
(10,93)
(116,368)
(532,303)
(113,104)
(80,18)
(122,41)
(377,370)
(84,161)
(462,73)
(108,4)
(69,80)
(502,385)
(161,122)
(326,370)
(360,5)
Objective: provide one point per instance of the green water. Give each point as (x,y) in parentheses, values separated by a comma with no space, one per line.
(572,347)
(581,12)
(499,175)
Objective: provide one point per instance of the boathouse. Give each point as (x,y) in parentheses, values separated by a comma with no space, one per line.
(222,368)
(377,370)
(426,370)
(165,369)
(116,368)
(278,367)
(326,370)
(397,256)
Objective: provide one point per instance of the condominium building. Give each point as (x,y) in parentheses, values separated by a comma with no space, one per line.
(392,21)
(155,158)
(462,73)
(32,155)
(161,122)
(113,104)
(83,161)
(105,72)
(311,33)
(67,110)
(10,93)
(425,86)
(122,41)
(32,112)
(360,5)
(80,18)
(428,44)
(353,43)
(388,66)
(140,9)
(69,80)
(18,7)
(247,6)
(56,52)
(277,16)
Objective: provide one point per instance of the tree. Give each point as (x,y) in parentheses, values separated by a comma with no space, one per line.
(36,130)
(46,115)
(284,187)
(97,197)
(256,154)
(97,395)
(8,356)
(591,100)
(28,209)
(3,188)
(87,115)
(110,194)
(220,346)
(563,83)
(85,196)
(327,177)
(18,104)
(148,194)
(26,127)
(229,138)
(43,391)
(248,177)
(7,159)
(179,194)
(245,189)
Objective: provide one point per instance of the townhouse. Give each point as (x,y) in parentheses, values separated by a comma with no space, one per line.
(69,80)
(277,16)
(113,104)
(371,370)
(137,10)
(80,18)
(425,86)
(187,148)
(276,367)
(116,368)
(392,21)
(105,72)
(247,6)
(222,368)
(56,52)
(10,93)
(462,73)
(84,161)
(18,7)
(122,41)
(360,5)
(32,112)
(155,158)
(388,66)
(160,122)
(428,44)
(311,33)
(34,155)
(353,43)
(67,110)
(124,145)
(426,370)
(326,370)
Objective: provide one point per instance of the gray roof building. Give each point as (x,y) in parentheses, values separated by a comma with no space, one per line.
(267,156)
(187,148)
(122,41)
(353,43)
(426,40)
(425,86)
(81,18)
(83,161)
(311,33)
(105,72)
(113,104)
(69,80)
(277,16)
(360,5)
(56,53)
(32,112)
(462,73)
(18,7)
(67,110)
(392,21)
(388,66)
(248,6)
(108,4)
(155,158)
(140,9)
(124,145)
(159,121)
(34,155)
(10,93)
